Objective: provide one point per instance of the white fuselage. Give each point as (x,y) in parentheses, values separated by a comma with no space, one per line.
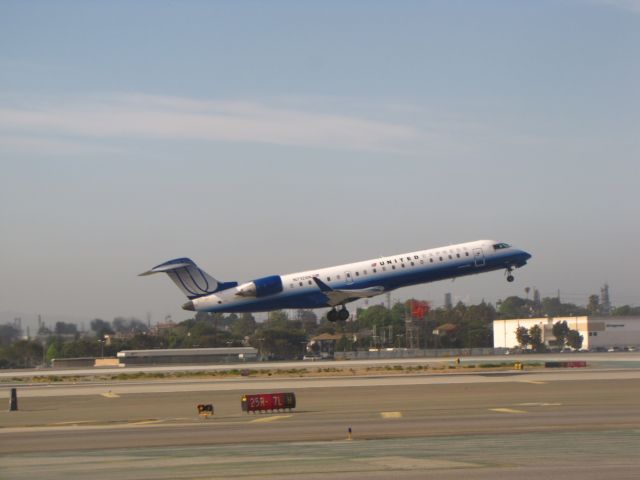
(299,290)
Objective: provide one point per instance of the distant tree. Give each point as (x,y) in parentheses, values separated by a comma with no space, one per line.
(553,307)
(309,321)
(476,325)
(278,343)
(374,315)
(82,347)
(23,354)
(142,341)
(536,301)
(522,336)
(476,333)
(44,331)
(277,320)
(243,326)
(202,328)
(128,325)
(560,331)
(325,326)
(205,317)
(574,339)
(101,327)
(344,344)
(535,336)
(8,334)
(625,310)
(515,307)
(64,328)
(593,306)
(55,349)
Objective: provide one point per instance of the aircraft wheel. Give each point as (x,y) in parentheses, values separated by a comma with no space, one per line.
(343,314)
(509,278)
(332,315)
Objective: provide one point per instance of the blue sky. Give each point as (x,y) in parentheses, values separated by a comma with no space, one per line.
(269,137)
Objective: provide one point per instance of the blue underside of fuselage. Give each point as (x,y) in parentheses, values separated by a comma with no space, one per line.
(308,298)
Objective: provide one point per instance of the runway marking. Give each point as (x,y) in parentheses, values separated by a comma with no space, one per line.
(391,414)
(506,410)
(269,419)
(110,394)
(534,382)
(71,423)
(146,422)
(543,404)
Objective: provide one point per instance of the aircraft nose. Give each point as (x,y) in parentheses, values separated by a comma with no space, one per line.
(523,257)
(189,306)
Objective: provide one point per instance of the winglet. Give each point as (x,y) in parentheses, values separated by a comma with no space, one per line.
(323,286)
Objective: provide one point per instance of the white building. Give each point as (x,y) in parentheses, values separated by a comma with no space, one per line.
(597,332)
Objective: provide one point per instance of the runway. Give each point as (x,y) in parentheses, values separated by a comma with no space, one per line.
(583,424)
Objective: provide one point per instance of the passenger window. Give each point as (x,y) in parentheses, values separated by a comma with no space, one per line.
(328,279)
(413,264)
(375,270)
(300,283)
(466,254)
(309,282)
(357,274)
(450,257)
(458,255)
(440,258)
(393,267)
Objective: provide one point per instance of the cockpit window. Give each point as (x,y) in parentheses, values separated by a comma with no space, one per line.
(500,246)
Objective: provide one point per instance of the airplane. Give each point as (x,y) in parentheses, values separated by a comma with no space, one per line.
(339,285)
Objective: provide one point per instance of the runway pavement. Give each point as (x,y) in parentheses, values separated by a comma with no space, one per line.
(583,424)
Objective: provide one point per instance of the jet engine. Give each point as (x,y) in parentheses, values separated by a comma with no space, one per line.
(261,287)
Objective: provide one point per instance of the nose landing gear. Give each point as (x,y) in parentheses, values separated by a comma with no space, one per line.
(510,277)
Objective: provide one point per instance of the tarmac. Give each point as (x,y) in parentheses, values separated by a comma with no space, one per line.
(581,424)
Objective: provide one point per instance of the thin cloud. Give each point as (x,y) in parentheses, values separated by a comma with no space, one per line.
(174,118)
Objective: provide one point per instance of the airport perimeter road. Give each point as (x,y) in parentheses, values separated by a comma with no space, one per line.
(567,424)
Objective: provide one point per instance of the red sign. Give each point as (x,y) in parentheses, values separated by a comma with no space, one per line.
(268,401)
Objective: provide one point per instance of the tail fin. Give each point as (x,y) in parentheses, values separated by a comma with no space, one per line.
(188,277)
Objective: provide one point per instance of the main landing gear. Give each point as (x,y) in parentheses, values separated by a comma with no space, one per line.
(508,273)
(334,315)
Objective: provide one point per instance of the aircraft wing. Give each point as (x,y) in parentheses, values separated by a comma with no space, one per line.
(339,297)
